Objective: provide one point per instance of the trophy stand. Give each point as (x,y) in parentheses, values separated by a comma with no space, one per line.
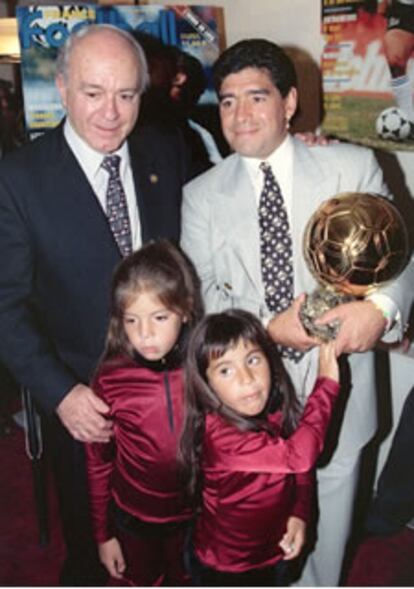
(315,305)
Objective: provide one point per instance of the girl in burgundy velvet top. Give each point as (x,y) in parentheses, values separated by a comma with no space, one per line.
(139,513)
(244,452)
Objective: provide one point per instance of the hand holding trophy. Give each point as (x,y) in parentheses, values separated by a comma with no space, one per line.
(353,243)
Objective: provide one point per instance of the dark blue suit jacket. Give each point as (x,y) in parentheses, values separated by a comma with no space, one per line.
(57,254)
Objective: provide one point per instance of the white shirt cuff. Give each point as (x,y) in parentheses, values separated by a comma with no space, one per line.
(388,308)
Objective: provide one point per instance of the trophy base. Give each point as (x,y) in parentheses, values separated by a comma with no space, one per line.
(315,305)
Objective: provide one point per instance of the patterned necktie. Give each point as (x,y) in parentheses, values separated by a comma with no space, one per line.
(116,205)
(276,250)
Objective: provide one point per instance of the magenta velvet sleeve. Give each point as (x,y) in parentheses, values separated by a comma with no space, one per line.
(259,452)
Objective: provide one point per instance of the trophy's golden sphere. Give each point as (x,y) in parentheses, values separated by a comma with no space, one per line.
(355,242)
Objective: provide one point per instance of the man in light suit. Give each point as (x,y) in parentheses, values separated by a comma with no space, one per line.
(256,85)
(57,252)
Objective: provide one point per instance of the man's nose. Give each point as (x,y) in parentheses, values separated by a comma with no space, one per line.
(242,110)
(111,107)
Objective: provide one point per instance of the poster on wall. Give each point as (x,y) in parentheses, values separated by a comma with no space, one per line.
(198,30)
(363,103)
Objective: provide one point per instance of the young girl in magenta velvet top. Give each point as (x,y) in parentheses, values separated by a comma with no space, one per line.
(139,512)
(246,456)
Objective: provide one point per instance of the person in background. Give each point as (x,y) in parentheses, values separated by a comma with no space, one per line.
(177,80)
(243,223)
(188,85)
(72,204)
(245,452)
(139,513)
(11,132)
(11,137)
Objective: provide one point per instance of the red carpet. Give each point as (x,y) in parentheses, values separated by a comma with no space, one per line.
(23,562)
(384,561)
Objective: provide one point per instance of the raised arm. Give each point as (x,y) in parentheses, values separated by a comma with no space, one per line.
(253,452)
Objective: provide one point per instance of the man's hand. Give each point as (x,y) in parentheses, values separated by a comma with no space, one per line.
(287,329)
(311,139)
(110,555)
(82,413)
(294,538)
(361,326)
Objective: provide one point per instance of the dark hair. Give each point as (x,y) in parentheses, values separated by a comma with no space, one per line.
(158,266)
(260,54)
(214,335)
(196,80)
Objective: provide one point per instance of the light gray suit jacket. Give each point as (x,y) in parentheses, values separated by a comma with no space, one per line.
(220,233)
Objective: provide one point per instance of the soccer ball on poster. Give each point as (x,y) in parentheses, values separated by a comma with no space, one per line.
(392,123)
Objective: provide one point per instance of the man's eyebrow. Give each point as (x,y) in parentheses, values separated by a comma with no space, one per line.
(90,86)
(93,86)
(265,91)
(252,91)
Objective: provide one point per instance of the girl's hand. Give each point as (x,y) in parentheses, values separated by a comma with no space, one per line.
(328,363)
(294,538)
(110,555)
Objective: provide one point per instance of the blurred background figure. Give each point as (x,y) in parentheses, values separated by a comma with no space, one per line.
(11,136)
(188,85)
(11,118)
(172,99)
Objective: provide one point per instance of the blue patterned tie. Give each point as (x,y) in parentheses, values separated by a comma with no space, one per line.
(116,205)
(276,251)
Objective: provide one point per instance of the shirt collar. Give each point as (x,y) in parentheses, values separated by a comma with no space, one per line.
(280,161)
(90,159)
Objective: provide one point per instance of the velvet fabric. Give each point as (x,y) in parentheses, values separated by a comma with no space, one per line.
(253,482)
(153,557)
(138,469)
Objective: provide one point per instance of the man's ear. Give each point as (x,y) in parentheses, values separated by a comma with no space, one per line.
(291,103)
(61,86)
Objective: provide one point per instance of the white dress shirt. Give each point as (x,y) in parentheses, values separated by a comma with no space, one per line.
(281,162)
(90,161)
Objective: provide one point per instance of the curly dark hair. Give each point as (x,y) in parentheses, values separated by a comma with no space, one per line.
(260,54)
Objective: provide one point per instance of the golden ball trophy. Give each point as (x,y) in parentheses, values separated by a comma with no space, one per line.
(353,243)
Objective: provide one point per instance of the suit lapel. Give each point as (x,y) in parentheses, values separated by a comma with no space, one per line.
(157,179)
(77,197)
(144,172)
(236,215)
(310,187)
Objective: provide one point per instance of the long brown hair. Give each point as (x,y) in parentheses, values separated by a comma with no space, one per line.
(158,266)
(214,335)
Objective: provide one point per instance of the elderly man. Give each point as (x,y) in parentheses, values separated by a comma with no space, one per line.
(73,203)
(274,181)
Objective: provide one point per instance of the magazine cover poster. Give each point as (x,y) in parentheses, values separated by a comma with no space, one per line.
(198,30)
(368,89)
